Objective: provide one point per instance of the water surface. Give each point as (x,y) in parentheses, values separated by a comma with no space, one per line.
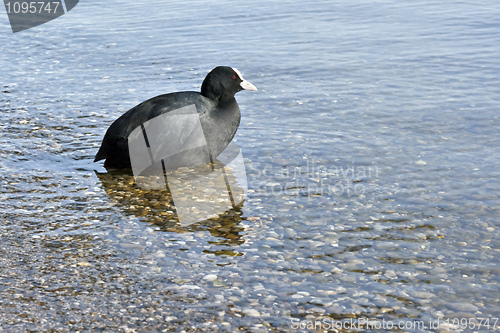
(371,150)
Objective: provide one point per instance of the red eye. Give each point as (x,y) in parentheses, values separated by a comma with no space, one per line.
(234,77)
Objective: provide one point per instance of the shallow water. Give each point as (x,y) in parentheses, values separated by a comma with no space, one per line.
(372,156)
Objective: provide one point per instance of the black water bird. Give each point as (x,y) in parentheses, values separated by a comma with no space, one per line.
(218,113)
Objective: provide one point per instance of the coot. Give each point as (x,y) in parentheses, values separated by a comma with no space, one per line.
(218,113)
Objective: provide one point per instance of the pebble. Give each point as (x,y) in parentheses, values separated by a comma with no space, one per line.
(84,263)
(290,233)
(251,312)
(463,307)
(447,327)
(189,287)
(317,310)
(210,277)
(423,294)
(391,274)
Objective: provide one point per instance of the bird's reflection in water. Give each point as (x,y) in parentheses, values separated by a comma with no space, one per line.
(207,198)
